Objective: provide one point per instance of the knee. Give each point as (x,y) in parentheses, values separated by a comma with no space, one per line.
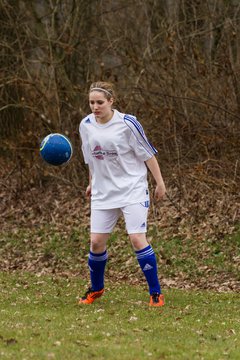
(138,241)
(98,243)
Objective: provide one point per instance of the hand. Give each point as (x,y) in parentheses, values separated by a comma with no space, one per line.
(88,191)
(160,191)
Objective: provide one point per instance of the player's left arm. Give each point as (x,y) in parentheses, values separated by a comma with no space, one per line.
(154,168)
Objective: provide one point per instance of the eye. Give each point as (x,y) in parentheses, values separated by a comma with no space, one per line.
(100,102)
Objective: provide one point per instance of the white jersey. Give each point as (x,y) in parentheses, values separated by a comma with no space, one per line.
(116,153)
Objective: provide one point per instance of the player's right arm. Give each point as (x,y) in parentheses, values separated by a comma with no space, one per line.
(89,187)
(85,151)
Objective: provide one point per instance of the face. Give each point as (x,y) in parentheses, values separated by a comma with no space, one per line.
(100,106)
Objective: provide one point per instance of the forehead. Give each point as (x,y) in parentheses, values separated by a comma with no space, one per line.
(97,95)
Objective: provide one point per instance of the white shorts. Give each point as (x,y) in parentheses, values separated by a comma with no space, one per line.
(135,216)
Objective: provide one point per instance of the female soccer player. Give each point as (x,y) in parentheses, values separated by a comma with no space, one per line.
(118,154)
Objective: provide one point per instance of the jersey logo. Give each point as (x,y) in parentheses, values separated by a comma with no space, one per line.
(100,153)
(87,121)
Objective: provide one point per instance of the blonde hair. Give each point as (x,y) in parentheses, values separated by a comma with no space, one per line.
(105,87)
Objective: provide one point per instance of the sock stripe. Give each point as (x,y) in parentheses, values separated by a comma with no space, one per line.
(148,252)
(95,257)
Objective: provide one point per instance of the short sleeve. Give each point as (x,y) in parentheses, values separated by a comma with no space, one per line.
(138,141)
(85,145)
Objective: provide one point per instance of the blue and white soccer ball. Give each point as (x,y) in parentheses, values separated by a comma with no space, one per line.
(56,149)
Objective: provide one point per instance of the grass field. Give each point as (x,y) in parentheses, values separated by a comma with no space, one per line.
(40,319)
(43,272)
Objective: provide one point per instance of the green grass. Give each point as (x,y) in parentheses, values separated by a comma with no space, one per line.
(40,319)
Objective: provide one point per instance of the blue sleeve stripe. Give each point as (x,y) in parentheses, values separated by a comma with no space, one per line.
(135,122)
(147,149)
(139,128)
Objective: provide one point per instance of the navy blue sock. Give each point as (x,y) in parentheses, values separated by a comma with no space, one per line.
(97,263)
(148,263)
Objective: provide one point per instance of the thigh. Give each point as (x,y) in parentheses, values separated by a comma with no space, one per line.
(135,216)
(103,221)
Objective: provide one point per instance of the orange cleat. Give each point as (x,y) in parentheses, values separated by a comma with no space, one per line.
(156,300)
(91,296)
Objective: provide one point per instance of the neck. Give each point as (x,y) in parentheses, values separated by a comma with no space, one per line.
(104,120)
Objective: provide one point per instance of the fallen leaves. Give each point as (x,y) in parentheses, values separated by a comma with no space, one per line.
(48,226)
(8,341)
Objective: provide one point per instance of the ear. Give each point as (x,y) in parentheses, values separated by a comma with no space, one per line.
(111,101)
